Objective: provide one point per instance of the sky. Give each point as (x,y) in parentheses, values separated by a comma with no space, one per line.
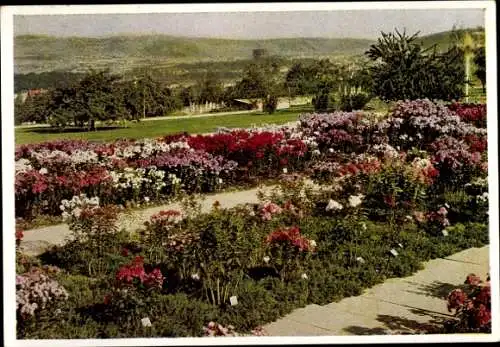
(252,25)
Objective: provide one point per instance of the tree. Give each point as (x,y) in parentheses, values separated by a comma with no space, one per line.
(480,62)
(33,109)
(211,89)
(403,69)
(261,80)
(146,97)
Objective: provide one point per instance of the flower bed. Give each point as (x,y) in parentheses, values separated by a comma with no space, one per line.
(241,267)
(390,205)
(140,171)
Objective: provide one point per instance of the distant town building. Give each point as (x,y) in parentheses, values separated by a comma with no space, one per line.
(29,93)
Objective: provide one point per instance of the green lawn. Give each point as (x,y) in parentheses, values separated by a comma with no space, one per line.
(159,128)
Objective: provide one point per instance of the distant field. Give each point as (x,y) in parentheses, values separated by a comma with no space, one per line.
(160,127)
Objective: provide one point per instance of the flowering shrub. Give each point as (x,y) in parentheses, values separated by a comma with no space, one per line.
(470,113)
(436,220)
(292,237)
(454,160)
(72,209)
(288,251)
(269,209)
(163,233)
(339,131)
(134,274)
(472,307)
(420,122)
(36,292)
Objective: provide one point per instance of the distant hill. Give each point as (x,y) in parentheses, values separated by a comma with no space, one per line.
(443,40)
(180,58)
(38,52)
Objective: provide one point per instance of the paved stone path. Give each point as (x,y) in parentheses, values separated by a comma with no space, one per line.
(397,306)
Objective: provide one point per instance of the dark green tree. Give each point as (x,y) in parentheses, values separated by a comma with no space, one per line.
(261,81)
(403,69)
(32,109)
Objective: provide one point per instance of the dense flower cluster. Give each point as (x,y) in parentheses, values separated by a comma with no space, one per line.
(340,131)
(420,122)
(36,291)
(292,237)
(253,148)
(213,329)
(470,113)
(134,274)
(269,209)
(72,209)
(455,160)
(423,171)
(472,309)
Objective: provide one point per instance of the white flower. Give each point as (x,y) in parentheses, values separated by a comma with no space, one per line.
(266,259)
(195,277)
(220,180)
(285,170)
(356,200)
(330,150)
(304,276)
(43,171)
(312,243)
(77,212)
(360,260)
(363,226)
(316,152)
(146,322)
(333,205)
(146,198)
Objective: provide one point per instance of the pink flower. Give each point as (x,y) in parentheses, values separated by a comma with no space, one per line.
(472,279)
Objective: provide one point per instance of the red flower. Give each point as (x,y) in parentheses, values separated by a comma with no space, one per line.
(107,299)
(484,296)
(154,279)
(483,315)
(291,236)
(456,299)
(19,234)
(390,201)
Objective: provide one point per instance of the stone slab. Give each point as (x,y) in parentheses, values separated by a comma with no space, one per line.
(472,255)
(383,317)
(287,327)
